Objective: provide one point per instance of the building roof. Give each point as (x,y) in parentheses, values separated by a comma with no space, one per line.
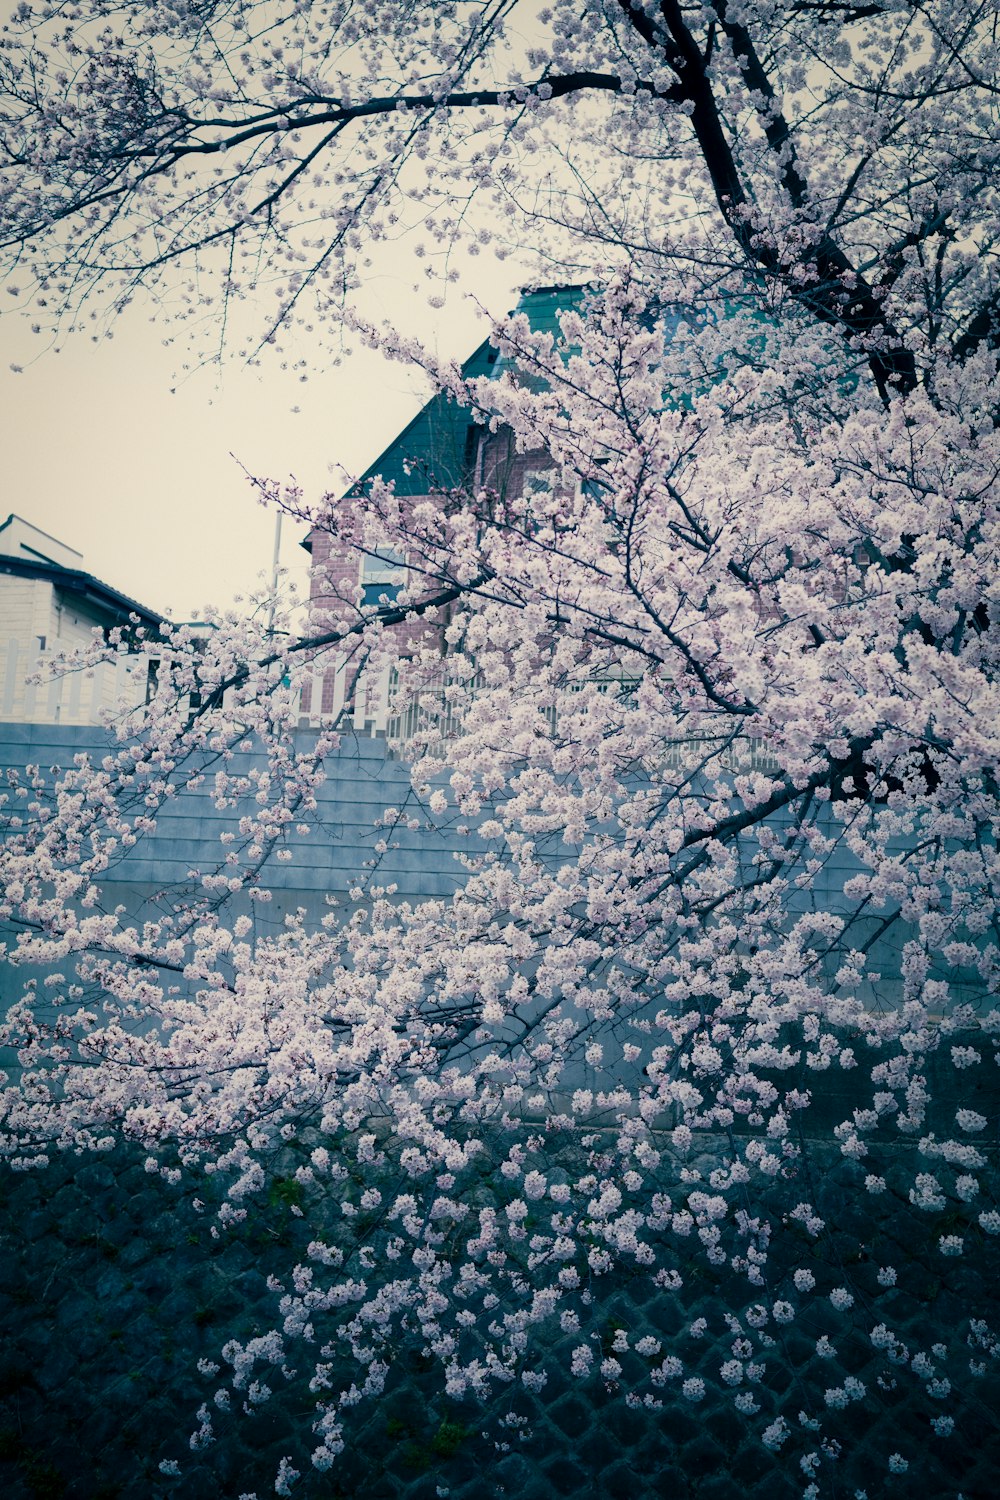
(20,538)
(87,588)
(437,450)
(432,448)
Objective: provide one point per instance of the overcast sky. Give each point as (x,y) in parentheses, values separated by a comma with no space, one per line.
(99,453)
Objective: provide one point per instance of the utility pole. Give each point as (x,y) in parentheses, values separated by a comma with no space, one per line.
(274,571)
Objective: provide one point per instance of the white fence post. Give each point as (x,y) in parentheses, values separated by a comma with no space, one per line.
(380,708)
(361,700)
(339,689)
(78,696)
(10,679)
(53,700)
(30,694)
(73,697)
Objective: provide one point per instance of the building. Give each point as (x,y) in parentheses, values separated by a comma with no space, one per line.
(50,607)
(443,448)
(48,604)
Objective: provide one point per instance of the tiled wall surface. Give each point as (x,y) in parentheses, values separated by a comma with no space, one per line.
(340,854)
(361,782)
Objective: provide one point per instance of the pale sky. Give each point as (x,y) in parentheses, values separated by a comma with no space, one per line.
(98,452)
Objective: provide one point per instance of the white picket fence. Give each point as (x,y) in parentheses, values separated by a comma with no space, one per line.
(366,702)
(36,691)
(374,702)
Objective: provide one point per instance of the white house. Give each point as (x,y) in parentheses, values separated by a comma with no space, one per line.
(50,606)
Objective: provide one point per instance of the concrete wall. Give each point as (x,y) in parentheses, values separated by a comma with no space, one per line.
(361,782)
(340,854)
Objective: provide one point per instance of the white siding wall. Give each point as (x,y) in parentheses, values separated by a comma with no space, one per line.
(33,611)
(26,617)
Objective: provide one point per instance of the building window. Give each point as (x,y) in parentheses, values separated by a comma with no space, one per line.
(381,576)
(537,482)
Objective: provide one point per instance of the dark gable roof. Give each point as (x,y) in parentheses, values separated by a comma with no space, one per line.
(87,588)
(435,450)
(432,449)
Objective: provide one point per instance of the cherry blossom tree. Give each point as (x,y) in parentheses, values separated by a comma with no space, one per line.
(840,156)
(724,950)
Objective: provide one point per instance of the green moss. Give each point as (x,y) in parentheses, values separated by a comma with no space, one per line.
(286,1192)
(44,1480)
(416,1456)
(419,1453)
(448,1439)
